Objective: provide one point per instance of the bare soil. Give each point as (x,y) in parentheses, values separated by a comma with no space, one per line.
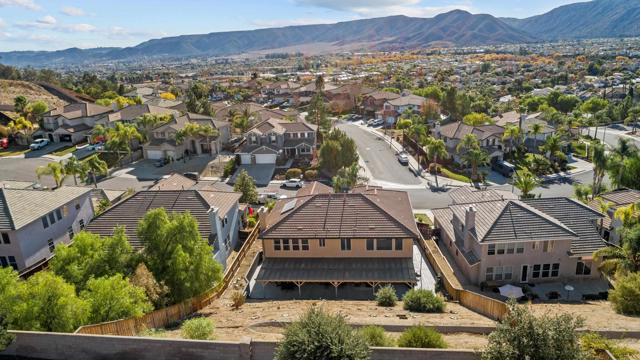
(598,315)
(9,89)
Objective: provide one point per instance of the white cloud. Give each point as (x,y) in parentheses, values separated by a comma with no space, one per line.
(47,20)
(375,8)
(290,22)
(76,28)
(27,4)
(73,11)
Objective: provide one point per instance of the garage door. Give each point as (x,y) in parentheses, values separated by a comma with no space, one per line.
(265,158)
(155,154)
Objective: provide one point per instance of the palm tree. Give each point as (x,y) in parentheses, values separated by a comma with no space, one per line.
(582,192)
(53,169)
(475,158)
(535,130)
(208,132)
(600,162)
(620,260)
(526,182)
(95,166)
(436,149)
(195,130)
(604,207)
(147,122)
(629,215)
(622,151)
(552,146)
(513,134)
(241,121)
(634,114)
(468,142)
(74,167)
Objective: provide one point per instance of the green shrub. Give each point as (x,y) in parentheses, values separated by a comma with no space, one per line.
(386,296)
(310,175)
(197,329)
(592,342)
(251,221)
(229,167)
(421,337)
(318,335)
(626,295)
(425,301)
(451,175)
(293,173)
(375,336)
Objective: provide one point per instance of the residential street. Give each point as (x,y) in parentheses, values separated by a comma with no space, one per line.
(613,133)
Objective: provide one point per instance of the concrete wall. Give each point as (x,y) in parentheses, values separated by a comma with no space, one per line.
(332,249)
(88,347)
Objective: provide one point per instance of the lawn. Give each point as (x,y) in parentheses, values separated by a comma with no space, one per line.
(451,175)
(423,218)
(14,152)
(64,151)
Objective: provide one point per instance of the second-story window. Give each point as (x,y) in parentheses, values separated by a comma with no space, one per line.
(345,244)
(5,238)
(276,245)
(322,242)
(285,245)
(384,244)
(399,244)
(370,246)
(81,222)
(45,222)
(305,245)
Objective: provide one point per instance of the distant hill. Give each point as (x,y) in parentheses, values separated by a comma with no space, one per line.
(456,28)
(593,19)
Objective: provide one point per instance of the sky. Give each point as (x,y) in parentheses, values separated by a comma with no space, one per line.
(61,24)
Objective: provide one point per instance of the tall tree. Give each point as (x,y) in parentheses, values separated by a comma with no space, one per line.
(247,187)
(75,168)
(535,130)
(436,150)
(177,255)
(621,260)
(600,164)
(468,142)
(147,122)
(20,103)
(193,130)
(475,158)
(337,151)
(513,135)
(55,170)
(95,166)
(526,182)
(477,119)
(114,297)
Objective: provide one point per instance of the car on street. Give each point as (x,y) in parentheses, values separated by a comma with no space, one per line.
(39,144)
(96,146)
(403,158)
(293,183)
(263,198)
(4,143)
(503,168)
(375,122)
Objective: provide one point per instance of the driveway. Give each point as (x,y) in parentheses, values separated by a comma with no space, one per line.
(46,150)
(379,158)
(146,170)
(261,173)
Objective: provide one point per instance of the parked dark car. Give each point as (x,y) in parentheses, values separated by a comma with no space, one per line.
(192,175)
(503,168)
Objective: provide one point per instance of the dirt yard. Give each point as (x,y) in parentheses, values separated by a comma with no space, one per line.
(9,89)
(598,315)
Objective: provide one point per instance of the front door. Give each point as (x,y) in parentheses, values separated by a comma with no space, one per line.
(524,274)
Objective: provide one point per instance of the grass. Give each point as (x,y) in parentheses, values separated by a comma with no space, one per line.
(64,151)
(14,152)
(451,175)
(423,218)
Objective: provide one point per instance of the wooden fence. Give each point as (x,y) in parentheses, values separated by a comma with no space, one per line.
(481,304)
(162,317)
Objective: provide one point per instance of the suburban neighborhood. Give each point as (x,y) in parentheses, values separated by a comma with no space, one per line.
(353,195)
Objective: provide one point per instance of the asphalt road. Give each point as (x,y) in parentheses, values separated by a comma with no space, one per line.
(612,134)
(25,170)
(379,158)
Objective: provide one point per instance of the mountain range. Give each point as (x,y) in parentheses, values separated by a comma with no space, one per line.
(593,19)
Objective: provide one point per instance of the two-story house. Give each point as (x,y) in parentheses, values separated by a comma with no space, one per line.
(72,123)
(610,226)
(217,213)
(373,103)
(318,237)
(275,138)
(163,142)
(502,240)
(33,222)
(393,109)
(129,114)
(526,124)
(489,136)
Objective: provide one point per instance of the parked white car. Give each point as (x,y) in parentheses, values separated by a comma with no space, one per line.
(39,144)
(293,183)
(375,122)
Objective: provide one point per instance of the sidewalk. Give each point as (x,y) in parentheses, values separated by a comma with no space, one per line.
(413,163)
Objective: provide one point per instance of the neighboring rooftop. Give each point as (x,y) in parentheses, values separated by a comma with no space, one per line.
(468,194)
(174,182)
(457,130)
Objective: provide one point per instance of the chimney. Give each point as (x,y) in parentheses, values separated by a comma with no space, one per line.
(214,220)
(469,224)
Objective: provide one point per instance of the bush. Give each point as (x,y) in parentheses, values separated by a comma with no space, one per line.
(626,295)
(375,336)
(237,299)
(421,337)
(251,222)
(229,168)
(293,173)
(592,342)
(433,167)
(420,300)
(310,175)
(197,329)
(386,296)
(318,335)
(451,175)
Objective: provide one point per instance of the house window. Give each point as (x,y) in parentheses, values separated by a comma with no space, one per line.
(535,245)
(547,246)
(500,249)
(273,139)
(305,245)
(489,274)
(81,222)
(384,244)
(285,245)
(78,206)
(52,218)
(399,244)
(519,248)
(546,268)
(370,245)
(555,270)
(5,238)
(322,242)
(276,245)
(583,268)
(58,214)
(51,245)
(70,232)
(345,244)
(536,271)
(3,261)
(511,248)
(295,245)
(507,273)
(497,273)
(45,222)
(13,263)
(492,249)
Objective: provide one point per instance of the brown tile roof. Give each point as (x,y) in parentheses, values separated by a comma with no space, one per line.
(174,182)
(468,194)
(78,110)
(458,130)
(619,198)
(383,95)
(132,112)
(314,188)
(130,211)
(367,215)
(408,100)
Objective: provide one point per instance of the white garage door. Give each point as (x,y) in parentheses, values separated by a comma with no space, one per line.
(155,154)
(265,158)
